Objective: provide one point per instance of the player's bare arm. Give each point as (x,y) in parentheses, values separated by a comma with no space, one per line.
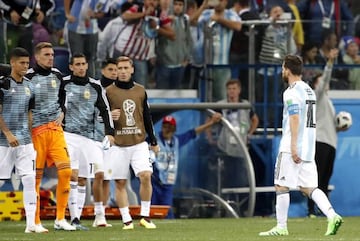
(294,128)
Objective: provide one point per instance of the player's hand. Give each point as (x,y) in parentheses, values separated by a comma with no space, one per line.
(39,16)
(70,18)
(15,17)
(216,117)
(12,140)
(115,114)
(59,120)
(155,149)
(295,157)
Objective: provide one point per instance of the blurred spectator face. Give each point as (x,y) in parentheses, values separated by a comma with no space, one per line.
(233,92)
(110,71)
(45,58)
(352,49)
(331,41)
(178,7)
(164,4)
(149,3)
(79,67)
(276,13)
(221,6)
(311,54)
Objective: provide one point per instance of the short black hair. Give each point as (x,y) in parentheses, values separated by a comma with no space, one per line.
(107,62)
(18,52)
(75,56)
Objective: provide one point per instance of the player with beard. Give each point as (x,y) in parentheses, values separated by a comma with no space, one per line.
(295,164)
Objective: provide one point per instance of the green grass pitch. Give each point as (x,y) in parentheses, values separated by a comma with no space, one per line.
(190,229)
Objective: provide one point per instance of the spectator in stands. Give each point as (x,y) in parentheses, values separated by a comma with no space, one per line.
(142,20)
(194,70)
(297,30)
(240,44)
(326,136)
(276,43)
(352,56)
(244,122)
(174,55)
(325,15)
(308,53)
(19,17)
(167,159)
(339,75)
(82,27)
(219,24)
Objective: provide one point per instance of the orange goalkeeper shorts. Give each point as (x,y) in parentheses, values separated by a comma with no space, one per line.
(49,143)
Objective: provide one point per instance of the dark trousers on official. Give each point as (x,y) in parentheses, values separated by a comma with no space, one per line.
(324,158)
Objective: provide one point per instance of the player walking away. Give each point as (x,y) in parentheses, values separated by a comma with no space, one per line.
(16,148)
(47,133)
(295,165)
(132,124)
(85,99)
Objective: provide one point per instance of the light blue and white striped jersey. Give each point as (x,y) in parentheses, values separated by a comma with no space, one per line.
(221,36)
(299,99)
(15,108)
(79,10)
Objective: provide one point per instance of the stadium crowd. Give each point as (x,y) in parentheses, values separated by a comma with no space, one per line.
(172,41)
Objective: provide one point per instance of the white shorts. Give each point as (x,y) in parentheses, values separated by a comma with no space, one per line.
(108,163)
(22,157)
(292,175)
(85,156)
(137,156)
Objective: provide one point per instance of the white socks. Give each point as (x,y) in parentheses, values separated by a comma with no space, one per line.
(145,208)
(282,208)
(73,196)
(323,203)
(99,208)
(125,214)
(29,199)
(81,199)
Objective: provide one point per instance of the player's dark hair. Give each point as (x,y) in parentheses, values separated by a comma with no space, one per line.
(107,62)
(294,63)
(18,52)
(75,56)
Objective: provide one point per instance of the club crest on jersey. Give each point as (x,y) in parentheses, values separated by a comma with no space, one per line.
(99,6)
(53,83)
(27,91)
(87,94)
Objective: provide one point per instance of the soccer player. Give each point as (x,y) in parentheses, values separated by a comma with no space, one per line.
(85,98)
(295,165)
(132,124)
(47,133)
(108,77)
(16,148)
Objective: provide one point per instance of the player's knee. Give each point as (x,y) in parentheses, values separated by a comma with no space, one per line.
(145,177)
(99,176)
(65,173)
(28,182)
